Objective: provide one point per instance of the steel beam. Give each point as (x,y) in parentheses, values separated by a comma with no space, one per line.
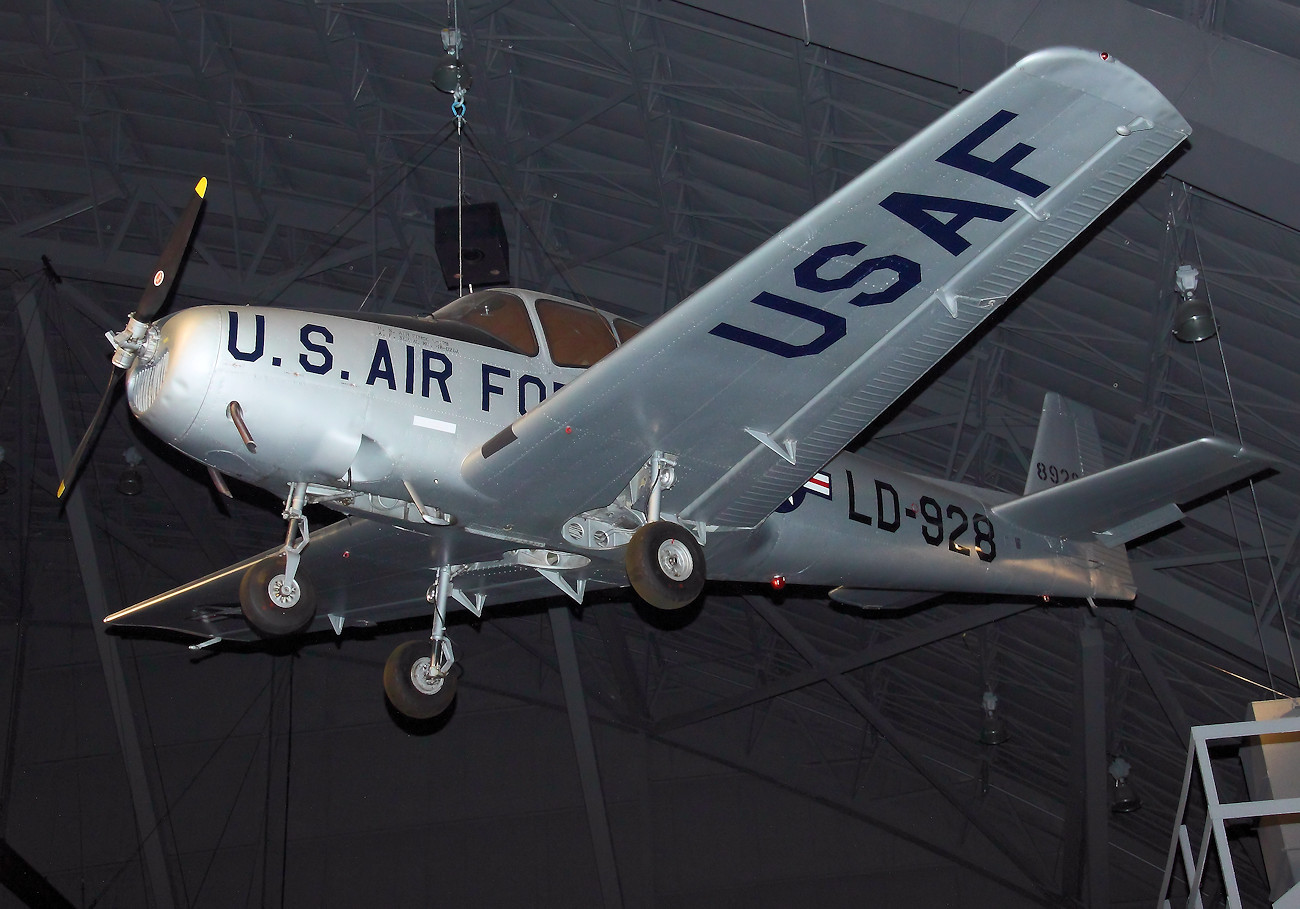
(24,456)
(622,95)
(1096,814)
(795,779)
(873,715)
(1253,166)
(74,260)
(965,621)
(96,599)
(630,690)
(1221,625)
(1208,558)
(566,653)
(798,781)
(26,883)
(1137,645)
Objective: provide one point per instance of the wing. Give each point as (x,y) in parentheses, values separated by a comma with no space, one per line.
(362,572)
(766,373)
(1133,499)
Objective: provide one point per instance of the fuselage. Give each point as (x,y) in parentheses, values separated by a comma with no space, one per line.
(385,409)
(860,523)
(366,403)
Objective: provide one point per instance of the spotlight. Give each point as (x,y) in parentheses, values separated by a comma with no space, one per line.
(129,481)
(1193,318)
(452,75)
(993,731)
(1123,797)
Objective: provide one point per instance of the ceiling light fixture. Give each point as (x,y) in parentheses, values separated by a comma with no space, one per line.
(1123,797)
(452,74)
(1193,318)
(993,731)
(129,481)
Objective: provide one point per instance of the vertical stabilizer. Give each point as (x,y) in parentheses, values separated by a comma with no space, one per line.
(1067,446)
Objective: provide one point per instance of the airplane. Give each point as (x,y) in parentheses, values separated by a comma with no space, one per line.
(514,444)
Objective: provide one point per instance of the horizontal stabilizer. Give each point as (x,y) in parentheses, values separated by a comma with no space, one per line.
(1125,502)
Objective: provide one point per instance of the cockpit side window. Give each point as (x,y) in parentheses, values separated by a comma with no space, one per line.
(576,336)
(500,314)
(625,330)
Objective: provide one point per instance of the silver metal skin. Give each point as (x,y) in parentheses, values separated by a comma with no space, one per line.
(711,397)
(510,476)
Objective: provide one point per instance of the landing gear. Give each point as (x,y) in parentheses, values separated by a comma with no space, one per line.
(273,603)
(665,564)
(274,599)
(420,679)
(412,684)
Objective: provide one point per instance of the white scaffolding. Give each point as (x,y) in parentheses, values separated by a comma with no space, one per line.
(1217,812)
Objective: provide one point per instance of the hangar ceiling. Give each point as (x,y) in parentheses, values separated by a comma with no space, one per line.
(761,749)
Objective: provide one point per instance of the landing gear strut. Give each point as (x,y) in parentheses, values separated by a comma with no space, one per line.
(664,561)
(275,601)
(419,682)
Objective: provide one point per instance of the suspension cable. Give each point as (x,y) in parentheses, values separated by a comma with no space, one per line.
(1259,517)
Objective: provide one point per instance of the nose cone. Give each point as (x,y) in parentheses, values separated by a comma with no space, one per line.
(169,381)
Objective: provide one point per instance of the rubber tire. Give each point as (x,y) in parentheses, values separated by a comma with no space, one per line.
(267,618)
(647,577)
(402,693)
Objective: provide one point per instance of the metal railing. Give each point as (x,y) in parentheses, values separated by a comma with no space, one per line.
(1217,812)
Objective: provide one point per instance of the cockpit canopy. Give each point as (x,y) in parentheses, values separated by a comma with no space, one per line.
(575,335)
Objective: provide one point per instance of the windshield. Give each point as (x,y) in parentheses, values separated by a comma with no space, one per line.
(576,336)
(502,315)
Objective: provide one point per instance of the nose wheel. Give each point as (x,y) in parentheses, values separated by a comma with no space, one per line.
(276,599)
(665,565)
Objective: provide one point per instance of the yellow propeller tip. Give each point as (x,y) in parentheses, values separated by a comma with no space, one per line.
(202,186)
(59,494)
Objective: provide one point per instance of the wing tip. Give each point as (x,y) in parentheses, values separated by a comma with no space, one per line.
(1103,76)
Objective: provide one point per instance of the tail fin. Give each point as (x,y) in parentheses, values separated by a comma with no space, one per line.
(1067,446)
(1070,496)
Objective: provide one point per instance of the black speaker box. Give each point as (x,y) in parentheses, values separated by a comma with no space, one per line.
(486,253)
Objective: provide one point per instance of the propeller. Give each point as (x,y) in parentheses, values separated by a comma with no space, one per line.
(128,341)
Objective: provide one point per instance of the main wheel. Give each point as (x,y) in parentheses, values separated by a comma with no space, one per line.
(665,565)
(272,605)
(408,686)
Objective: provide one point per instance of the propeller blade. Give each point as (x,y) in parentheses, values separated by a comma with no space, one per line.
(128,340)
(73,467)
(155,294)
